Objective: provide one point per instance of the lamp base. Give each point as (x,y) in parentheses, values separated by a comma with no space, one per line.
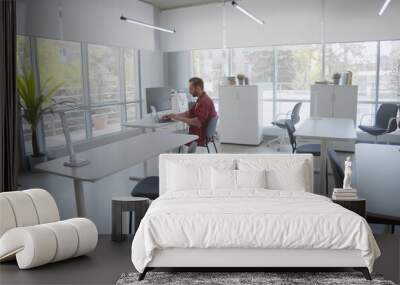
(77,162)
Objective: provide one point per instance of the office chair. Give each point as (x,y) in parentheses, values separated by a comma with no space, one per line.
(293,116)
(385,121)
(372,218)
(314,149)
(211,133)
(148,187)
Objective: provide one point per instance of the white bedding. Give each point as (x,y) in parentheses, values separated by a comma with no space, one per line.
(251,218)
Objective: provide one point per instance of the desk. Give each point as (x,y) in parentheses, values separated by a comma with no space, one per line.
(112,158)
(326,130)
(149,123)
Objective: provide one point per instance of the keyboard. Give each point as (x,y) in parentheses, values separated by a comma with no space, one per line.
(164,120)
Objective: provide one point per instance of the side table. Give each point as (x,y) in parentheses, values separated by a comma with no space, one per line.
(358,206)
(119,205)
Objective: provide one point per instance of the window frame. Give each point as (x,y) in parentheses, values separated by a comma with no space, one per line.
(275,100)
(89,140)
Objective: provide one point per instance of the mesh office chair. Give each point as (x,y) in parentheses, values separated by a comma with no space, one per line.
(385,121)
(293,116)
(314,149)
(338,175)
(148,187)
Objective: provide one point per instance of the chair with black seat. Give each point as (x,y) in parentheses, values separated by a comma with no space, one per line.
(338,175)
(385,121)
(148,187)
(314,149)
(293,116)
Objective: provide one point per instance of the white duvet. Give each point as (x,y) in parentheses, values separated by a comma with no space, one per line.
(250,219)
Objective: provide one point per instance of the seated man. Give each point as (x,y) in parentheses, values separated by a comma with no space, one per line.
(198,116)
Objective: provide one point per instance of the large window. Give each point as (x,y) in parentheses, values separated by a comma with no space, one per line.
(101,80)
(284,73)
(361,59)
(104,89)
(131,89)
(297,68)
(130,69)
(258,65)
(211,66)
(389,74)
(60,62)
(103,74)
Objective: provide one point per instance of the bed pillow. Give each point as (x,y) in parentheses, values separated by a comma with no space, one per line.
(223,179)
(283,173)
(291,178)
(194,174)
(183,177)
(251,178)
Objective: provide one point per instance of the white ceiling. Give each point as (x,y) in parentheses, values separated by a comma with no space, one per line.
(172,4)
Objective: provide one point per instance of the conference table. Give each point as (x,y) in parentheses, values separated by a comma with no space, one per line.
(326,130)
(112,158)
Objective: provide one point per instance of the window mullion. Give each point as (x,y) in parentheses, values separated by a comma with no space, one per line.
(86,89)
(139,69)
(274,83)
(378,66)
(122,85)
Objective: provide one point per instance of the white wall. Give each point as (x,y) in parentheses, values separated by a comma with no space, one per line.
(178,69)
(286,22)
(92,21)
(151,72)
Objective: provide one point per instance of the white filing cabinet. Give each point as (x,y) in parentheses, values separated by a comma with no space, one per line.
(335,101)
(240,112)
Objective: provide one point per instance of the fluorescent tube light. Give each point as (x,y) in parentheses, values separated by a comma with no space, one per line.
(132,21)
(244,11)
(384,6)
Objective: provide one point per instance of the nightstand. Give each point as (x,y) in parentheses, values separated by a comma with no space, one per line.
(138,205)
(358,206)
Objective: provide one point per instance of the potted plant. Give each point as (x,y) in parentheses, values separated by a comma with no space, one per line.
(336,78)
(241,78)
(33,107)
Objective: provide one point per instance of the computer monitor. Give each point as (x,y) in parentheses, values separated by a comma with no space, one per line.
(159,97)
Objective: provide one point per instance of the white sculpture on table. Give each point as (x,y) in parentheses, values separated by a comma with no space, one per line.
(347,174)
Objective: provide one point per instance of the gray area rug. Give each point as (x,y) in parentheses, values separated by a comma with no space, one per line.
(229,278)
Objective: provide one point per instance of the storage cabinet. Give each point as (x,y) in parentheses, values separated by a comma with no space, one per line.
(240,112)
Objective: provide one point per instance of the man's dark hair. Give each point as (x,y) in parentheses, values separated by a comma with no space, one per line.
(197,82)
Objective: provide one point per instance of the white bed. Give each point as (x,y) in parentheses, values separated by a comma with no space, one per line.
(227,217)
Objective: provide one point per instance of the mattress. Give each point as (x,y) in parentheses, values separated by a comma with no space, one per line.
(250,219)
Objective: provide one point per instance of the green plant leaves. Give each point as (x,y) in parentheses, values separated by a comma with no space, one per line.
(34,104)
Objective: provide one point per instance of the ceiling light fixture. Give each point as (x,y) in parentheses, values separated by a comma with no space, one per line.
(384,6)
(244,11)
(132,21)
